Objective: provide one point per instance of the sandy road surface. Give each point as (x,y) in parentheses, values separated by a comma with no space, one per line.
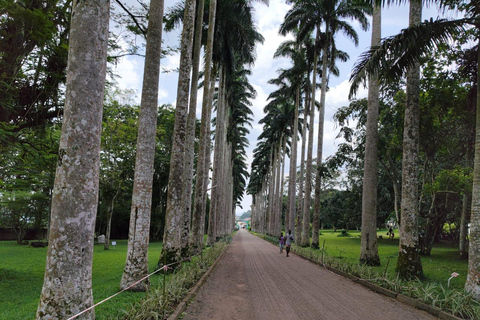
(254,281)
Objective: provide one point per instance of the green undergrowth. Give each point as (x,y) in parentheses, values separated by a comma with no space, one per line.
(342,253)
(161,301)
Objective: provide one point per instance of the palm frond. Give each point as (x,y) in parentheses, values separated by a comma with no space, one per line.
(396,54)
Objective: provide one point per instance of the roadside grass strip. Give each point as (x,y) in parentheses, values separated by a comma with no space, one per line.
(160,302)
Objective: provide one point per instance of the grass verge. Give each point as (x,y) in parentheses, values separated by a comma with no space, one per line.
(22,270)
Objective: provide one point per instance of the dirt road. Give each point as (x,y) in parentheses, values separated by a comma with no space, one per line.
(254,281)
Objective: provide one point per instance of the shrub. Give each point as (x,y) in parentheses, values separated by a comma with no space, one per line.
(39,244)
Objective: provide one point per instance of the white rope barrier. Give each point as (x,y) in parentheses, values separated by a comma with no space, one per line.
(165,268)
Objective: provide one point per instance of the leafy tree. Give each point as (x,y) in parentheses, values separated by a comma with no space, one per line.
(118,153)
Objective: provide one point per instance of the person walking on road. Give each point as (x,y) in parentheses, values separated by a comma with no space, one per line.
(288,241)
(281,242)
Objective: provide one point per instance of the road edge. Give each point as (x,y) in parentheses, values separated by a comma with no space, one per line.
(193,292)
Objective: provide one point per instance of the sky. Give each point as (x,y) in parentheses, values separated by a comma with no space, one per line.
(268,20)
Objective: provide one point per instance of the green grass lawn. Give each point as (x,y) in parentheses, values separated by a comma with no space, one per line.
(21,278)
(437,267)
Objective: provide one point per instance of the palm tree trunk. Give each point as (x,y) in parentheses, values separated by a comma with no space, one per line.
(173,250)
(217,163)
(308,175)
(271,193)
(191,122)
(67,286)
(136,265)
(301,196)
(321,120)
(369,247)
(203,164)
(473,277)
(292,176)
(409,264)
(276,194)
(284,151)
(196,236)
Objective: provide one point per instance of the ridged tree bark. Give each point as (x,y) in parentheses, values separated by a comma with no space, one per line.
(308,174)
(136,265)
(321,120)
(173,250)
(206,164)
(369,247)
(409,264)
(301,184)
(473,277)
(278,182)
(203,164)
(271,192)
(292,176)
(280,196)
(197,220)
(213,225)
(67,286)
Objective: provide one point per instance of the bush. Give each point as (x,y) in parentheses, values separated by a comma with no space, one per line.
(39,244)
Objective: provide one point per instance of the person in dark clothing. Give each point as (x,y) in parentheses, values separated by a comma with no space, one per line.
(288,241)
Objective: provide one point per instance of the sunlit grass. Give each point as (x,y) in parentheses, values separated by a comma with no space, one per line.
(22,270)
(437,267)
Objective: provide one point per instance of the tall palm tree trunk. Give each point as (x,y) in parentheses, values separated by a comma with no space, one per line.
(409,264)
(308,175)
(67,286)
(217,166)
(280,198)
(197,219)
(203,164)
(292,176)
(321,120)
(271,193)
(301,195)
(473,277)
(369,247)
(190,144)
(277,211)
(173,250)
(136,265)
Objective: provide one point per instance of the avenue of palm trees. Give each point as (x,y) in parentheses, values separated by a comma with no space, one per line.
(226,32)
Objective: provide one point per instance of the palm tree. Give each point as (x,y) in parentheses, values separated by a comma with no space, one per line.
(333,11)
(235,40)
(173,250)
(295,75)
(408,263)
(67,286)
(308,16)
(203,164)
(390,61)
(369,248)
(196,220)
(136,265)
